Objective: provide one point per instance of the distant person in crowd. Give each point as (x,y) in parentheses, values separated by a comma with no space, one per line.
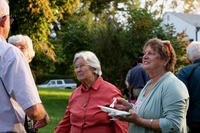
(127,92)
(190,77)
(18,92)
(24,43)
(163,102)
(82,113)
(137,79)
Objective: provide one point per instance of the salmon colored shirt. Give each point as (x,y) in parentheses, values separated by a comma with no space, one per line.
(84,116)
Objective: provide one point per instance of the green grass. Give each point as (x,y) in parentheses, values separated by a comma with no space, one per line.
(55,102)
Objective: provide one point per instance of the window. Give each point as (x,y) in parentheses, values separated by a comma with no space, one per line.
(59,82)
(52,83)
(68,81)
(168,17)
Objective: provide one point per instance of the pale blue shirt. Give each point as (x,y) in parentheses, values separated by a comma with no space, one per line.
(167,101)
(17,88)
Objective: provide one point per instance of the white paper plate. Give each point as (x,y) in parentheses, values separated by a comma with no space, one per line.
(113,112)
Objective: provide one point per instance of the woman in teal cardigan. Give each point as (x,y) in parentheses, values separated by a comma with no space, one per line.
(162,104)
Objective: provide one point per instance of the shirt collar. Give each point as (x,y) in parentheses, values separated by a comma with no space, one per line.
(95,85)
(2,38)
(197,61)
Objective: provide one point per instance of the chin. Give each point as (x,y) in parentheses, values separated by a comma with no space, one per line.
(81,79)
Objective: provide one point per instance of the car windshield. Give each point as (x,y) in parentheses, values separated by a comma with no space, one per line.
(46,82)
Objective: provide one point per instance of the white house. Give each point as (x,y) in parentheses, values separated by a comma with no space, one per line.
(184,21)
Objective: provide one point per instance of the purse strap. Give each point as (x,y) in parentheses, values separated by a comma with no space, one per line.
(193,70)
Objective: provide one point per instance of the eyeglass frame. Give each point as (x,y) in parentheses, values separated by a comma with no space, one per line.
(11,19)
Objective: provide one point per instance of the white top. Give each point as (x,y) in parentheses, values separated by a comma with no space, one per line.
(17,88)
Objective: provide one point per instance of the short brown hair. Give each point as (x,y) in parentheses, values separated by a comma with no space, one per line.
(165,50)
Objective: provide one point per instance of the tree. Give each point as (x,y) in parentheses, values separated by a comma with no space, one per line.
(158,8)
(74,37)
(33,18)
(118,46)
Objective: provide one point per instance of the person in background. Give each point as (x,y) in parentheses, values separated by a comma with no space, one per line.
(137,79)
(82,113)
(18,92)
(24,43)
(127,92)
(190,77)
(163,102)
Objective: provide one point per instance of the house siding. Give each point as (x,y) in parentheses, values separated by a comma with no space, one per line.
(181,25)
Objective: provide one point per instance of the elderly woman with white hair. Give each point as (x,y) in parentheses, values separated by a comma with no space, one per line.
(82,113)
(24,43)
(190,77)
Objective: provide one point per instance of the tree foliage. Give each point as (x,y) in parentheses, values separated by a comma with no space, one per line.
(33,18)
(118,46)
(93,25)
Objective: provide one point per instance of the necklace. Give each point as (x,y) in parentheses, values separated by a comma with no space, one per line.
(85,104)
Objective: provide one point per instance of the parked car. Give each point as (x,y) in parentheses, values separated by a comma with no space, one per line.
(59,83)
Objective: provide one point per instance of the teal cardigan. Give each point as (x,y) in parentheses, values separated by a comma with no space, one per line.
(167,101)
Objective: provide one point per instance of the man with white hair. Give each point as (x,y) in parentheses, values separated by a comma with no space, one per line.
(18,92)
(190,77)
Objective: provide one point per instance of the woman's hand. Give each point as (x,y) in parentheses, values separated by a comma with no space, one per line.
(133,117)
(122,104)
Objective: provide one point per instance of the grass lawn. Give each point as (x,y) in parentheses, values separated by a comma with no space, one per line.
(55,102)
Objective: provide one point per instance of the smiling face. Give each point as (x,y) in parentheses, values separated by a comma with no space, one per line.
(83,71)
(152,62)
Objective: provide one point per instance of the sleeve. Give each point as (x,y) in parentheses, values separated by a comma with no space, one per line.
(18,79)
(129,80)
(64,125)
(128,75)
(120,126)
(175,105)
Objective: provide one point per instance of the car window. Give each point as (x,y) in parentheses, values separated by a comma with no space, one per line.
(52,83)
(68,81)
(46,82)
(59,82)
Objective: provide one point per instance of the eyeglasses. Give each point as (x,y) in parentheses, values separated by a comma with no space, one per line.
(80,66)
(11,19)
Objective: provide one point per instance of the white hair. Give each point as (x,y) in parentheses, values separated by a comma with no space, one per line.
(4,8)
(23,39)
(91,59)
(193,51)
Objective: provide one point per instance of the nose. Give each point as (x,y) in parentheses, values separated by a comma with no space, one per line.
(145,56)
(77,69)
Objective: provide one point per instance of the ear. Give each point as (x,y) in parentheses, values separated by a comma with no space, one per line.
(3,21)
(189,61)
(167,60)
